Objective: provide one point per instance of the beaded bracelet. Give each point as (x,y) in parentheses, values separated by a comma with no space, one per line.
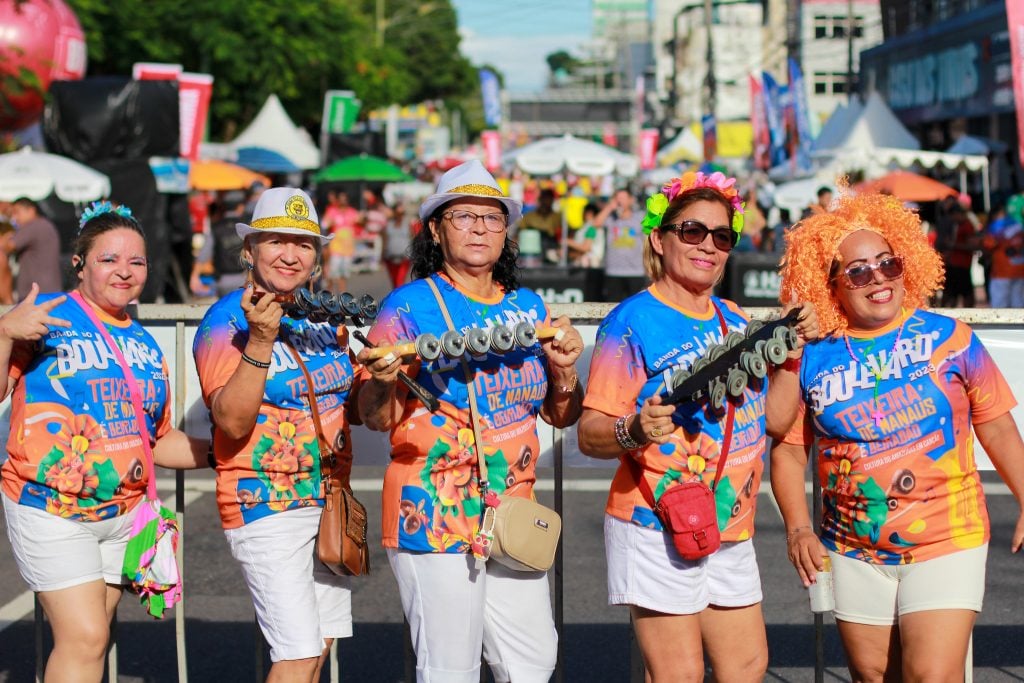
(257,363)
(622,436)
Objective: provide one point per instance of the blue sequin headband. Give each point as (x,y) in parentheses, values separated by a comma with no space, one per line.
(99,208)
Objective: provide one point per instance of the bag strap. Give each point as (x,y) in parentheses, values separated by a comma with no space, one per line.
(474,412)
(638,472)
(133,388)
(327,458)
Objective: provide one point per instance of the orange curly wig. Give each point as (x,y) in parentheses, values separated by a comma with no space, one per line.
(812,246)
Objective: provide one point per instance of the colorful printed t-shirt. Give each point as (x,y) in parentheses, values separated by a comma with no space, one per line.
(277,466)
(639,345)
(895,446)
(75,448)
(432,497)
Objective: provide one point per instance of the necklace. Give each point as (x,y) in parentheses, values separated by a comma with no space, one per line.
(876,414)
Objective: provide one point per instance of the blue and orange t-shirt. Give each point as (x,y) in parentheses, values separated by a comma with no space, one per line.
(277,466)
(641,343)
(75,449)
(432,499)
(895,447)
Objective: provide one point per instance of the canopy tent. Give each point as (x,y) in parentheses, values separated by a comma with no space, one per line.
(876,142)
(684,147)
(835,129)
(272,129)
(572,154)
(972,144)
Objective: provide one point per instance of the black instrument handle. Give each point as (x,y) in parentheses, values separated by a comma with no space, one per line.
(420,391)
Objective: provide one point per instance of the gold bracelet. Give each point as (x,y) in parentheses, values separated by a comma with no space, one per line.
(571,387)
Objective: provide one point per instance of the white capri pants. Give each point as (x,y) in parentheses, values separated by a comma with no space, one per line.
(298,601)
(456,610)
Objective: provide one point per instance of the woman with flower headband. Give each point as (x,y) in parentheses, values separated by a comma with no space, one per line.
(255,365)
(891,395)
(76,469)
(676,604)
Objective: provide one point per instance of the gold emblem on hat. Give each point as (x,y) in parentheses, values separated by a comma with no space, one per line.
(296,207)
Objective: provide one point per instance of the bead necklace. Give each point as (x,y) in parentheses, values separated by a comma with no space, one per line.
(876,414)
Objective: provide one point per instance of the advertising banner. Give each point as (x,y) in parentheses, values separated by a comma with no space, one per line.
(194,93)
(341,108)
(774,114)
(491,142)
(648,148)
(490,91)
(759,125)
(1015,22)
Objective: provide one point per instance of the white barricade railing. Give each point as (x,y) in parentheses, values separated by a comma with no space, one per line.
(174,328)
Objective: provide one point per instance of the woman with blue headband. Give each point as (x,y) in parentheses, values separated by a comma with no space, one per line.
(77,468)
(683,609)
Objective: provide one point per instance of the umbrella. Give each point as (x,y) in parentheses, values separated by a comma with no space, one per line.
(910,187)
(265,160)
(362,168)
(210,174)
(582,157)
(37,175)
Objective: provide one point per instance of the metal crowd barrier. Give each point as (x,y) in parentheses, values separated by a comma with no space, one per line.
(169,324)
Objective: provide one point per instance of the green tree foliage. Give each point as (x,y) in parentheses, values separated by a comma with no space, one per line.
(297,50)
(562,61)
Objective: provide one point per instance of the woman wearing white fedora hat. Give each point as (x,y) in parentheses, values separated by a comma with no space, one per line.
(252,360)
(458,603)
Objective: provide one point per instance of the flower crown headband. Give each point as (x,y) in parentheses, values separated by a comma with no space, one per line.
(717,181)
(99,208)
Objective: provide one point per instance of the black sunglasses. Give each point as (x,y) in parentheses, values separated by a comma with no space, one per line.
(694,232)
(863,274)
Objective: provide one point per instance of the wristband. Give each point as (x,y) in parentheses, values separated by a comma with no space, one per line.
(622,436)
(791,364)
(256,363)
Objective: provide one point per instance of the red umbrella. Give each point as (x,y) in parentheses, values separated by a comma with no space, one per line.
(445,163)
(910,187)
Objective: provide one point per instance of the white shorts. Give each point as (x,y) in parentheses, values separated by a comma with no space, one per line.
(879,594)
(339,266)
(299,602)
(645,570)
(456,611)
(54,553)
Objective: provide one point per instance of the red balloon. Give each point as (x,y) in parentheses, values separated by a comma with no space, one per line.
(41,41)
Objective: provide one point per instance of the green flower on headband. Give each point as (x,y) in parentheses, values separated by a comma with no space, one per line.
(656,206)
(737,219)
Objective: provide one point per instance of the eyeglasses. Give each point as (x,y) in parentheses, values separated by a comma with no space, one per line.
(465,220)
(694,232)
(863,274)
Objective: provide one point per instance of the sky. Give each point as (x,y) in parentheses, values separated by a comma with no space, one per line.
(516,36)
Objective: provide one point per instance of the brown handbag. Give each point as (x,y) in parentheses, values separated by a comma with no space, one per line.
(341,540)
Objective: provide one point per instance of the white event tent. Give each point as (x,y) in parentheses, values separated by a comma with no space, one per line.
(271,129)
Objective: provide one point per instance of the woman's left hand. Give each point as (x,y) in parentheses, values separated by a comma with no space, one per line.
(563,352)
(806,326)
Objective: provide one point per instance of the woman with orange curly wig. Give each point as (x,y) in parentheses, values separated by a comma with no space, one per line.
(890,395)
(683,609)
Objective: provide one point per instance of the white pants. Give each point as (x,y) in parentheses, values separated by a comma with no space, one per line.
(298,601)
(455,611)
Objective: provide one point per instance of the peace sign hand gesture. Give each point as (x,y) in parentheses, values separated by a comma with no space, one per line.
(29,321)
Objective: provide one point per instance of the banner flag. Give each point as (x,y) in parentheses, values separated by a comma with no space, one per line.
(707,122)
(490,91)
(759,125)
(648,148)
(774,114)
(802,119)
(1015,22)
(341,109)
(491,141)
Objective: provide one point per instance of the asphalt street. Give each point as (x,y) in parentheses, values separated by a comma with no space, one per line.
(222,643)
